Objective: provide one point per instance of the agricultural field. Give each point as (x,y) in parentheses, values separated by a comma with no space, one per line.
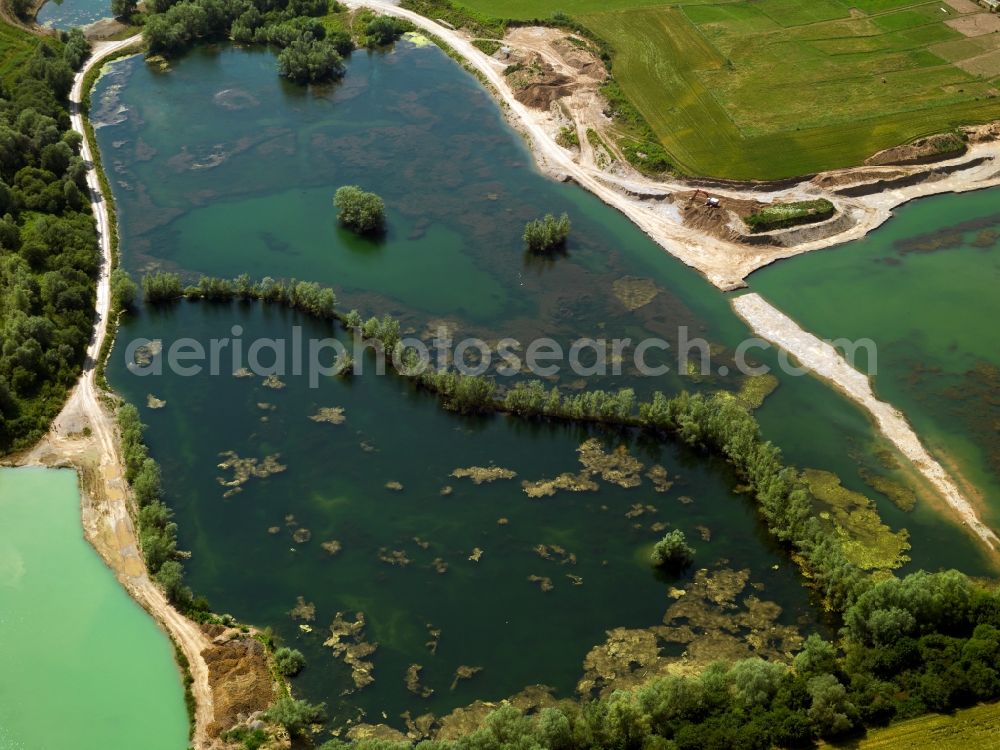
(776,88)
(973,727)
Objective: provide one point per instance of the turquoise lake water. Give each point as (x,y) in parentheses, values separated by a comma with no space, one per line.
(81,665)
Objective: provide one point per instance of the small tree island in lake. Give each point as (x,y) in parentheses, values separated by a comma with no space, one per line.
(549,233)
(672,551)
(359,211)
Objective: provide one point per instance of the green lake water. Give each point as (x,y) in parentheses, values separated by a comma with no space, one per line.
(83,666)
(66,14)
(220,167)
(924,288)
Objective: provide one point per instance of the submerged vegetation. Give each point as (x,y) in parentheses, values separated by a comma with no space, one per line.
(928,642)
(716,424)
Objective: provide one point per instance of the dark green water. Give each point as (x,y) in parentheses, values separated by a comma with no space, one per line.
(489,613)
(924,287)
(219,167)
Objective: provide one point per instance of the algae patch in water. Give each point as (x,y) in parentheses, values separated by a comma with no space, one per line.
(434,636)
(464,673)
(638,509)
(709,618)
(144,355)
(634,292)
(412,681)
(332,547)
(868,543)
(152,402)
(898,493)
(330,415)
(618,467)
(566,481)
(659,477)
(396,557)
(246,468)
(274,382)
(755,389)
(986,238)
(347,641)
(480,474)
(544,582)
(303,610)
(555,553)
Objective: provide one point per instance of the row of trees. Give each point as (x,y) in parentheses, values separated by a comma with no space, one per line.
(157,530)
(308,296)
(308,52)
(48,243)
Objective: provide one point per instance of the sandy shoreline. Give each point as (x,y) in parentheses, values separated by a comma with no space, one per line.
(825,362)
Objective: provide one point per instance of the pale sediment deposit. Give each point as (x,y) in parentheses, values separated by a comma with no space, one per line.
(822,359)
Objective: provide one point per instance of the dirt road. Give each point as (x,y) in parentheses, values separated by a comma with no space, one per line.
(104,493)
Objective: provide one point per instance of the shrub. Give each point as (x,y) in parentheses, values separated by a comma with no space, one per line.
(293,715)
(123,290)
(289,661)
(568,137)
(672,551)
(488,46)
(784,215)
(383,30)
(549,233)
(311,61)
(360,211)
(162,287)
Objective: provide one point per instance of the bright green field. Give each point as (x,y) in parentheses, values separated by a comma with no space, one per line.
(776,88)
(15,46)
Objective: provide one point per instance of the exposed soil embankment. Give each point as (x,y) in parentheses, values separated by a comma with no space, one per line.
(923,151)
(240,678)
(910,179)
